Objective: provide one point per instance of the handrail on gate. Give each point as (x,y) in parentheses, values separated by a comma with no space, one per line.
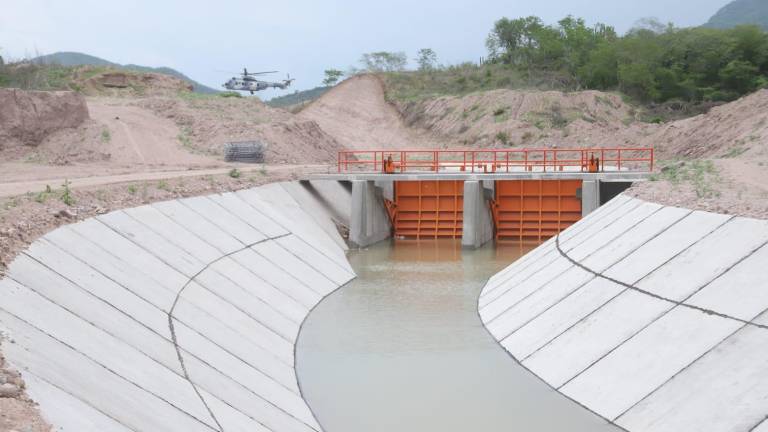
(625,159)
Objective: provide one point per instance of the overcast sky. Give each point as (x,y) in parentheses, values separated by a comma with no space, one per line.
(204,38)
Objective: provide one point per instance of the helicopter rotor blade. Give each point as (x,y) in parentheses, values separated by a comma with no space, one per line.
(258,73)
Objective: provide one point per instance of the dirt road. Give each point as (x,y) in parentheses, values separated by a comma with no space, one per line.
(12,188)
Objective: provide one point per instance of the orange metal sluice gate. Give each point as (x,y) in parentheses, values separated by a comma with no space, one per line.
(535,210)
(428,209)
(523,210)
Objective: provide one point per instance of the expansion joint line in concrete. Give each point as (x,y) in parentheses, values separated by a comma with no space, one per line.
(654,295)
(760,423)
(574,230)
(173,330)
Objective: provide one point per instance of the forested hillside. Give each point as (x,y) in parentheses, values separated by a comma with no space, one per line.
(651,63)
(741,12)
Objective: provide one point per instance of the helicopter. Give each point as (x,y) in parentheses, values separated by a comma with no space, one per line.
(248,82)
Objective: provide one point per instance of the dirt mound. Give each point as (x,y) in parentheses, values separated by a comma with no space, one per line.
(503,118)
(208,123)
(356,113)
(28,117)
(128,84)
(715,161)
(733,130)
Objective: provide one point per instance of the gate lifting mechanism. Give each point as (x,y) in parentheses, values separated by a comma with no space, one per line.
(499,161)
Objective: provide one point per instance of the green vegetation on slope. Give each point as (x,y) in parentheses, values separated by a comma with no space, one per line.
(298,97)
(740,12)
(652,64)
(30,76)
(464,79)
(80,59)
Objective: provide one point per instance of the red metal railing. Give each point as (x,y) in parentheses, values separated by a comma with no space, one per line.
(498,161)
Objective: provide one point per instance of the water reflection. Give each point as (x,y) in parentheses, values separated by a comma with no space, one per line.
(401,348)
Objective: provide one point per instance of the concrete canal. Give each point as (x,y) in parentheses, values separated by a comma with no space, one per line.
(402,348)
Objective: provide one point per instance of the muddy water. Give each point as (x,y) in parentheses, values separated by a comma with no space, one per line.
(402,348)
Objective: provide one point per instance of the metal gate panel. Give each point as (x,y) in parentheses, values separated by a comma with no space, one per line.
(429,209)
(535,210)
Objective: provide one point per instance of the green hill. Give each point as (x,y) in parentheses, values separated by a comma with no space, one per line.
(79,59)
(741,12)
(298,97)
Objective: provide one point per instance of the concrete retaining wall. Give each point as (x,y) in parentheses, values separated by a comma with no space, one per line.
(654,317)
(176,316)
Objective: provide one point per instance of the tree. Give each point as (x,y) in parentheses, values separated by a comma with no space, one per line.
(515,41)
(652,62)
(332,76)
(383,61)
(739,76)
(427,59)
(601,70)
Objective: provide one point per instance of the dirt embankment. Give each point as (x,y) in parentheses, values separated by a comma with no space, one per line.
(357,114)
(737,129)
(716,161)
(128,84)
(513,118)
(206,124)
(29,117)
(52,136)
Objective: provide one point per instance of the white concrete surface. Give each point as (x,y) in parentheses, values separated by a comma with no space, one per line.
(176,316)
(654,317)
(477,227)
(369,222)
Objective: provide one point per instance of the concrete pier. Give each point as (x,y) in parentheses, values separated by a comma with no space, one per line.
(478,223)
(369,222)
(590,196)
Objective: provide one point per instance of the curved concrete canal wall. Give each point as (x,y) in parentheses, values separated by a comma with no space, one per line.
(177,316)
(653,317)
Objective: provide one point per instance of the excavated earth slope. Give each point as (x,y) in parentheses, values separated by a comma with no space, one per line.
(28,117)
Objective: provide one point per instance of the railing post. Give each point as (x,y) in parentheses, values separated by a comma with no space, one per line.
(619,157)
(525,164)
(602,159)
(652,159)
